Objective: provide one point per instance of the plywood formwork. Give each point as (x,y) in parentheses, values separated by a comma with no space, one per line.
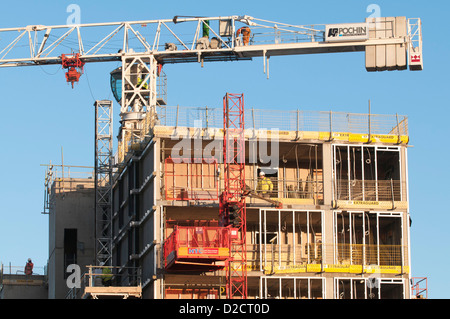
(110,292)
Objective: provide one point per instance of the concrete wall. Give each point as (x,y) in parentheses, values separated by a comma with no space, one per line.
(136,218)
(23,287)
(70,208)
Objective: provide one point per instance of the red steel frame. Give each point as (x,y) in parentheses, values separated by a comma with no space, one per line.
(202,243)
(419,287)
(232,196)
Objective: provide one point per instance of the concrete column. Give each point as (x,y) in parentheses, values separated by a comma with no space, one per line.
(327,164)
(328,224)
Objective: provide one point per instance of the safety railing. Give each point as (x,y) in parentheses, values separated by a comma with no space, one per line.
(66,173)
(20,270)
(64,178)
(287,120)
(280,256)
(161,88)
(370,190)
(276,119)
(106,276)
(196,242)
(202,236)
(288,188)
(284,256)
(206,187)
(382,255)
(287,34)
(190,293)
(116,275)
(187,236)
(183,193)
(419,287)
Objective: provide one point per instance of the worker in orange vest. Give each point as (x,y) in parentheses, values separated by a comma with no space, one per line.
(29,267)
(245,34)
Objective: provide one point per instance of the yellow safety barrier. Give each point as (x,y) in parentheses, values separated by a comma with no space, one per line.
(167,131)
(341,258)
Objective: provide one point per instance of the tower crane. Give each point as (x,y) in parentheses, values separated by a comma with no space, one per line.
(144,47)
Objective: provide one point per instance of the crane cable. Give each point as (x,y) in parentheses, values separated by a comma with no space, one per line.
(89,84)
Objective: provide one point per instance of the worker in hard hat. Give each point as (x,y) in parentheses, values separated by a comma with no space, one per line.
(144,86)
(245,31)
(265,185)
(106,276)
(29,267)
(206,28)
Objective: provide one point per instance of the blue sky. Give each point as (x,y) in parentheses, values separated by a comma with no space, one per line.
(41,113)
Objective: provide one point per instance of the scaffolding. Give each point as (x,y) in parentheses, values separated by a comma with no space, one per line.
(108,282)
(103,181)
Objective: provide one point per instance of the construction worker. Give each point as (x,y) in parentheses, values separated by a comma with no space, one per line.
(206,28)
(265,185)
(245,34)
(29,267)
(144,86)
(106,276)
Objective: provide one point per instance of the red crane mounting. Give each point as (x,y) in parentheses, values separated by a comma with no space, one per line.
(74,66)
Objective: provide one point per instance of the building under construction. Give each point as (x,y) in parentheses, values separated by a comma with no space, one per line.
(233,201)
(335,218)
(333,224)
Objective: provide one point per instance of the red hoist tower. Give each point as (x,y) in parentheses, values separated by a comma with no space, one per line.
(232,200)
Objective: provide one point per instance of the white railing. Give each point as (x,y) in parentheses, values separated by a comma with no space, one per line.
(296,120)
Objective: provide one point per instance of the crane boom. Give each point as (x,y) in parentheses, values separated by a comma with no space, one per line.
(181,40)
